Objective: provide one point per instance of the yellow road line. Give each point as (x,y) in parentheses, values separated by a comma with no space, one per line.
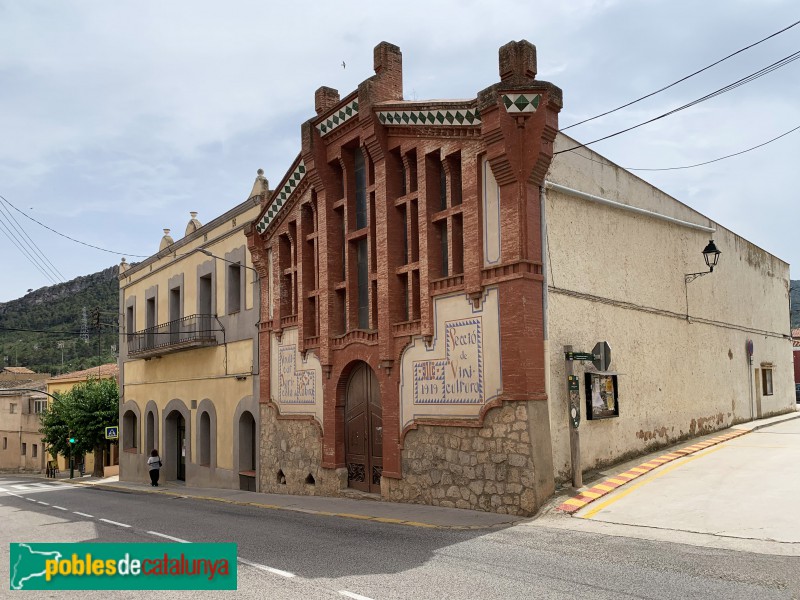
(636,486)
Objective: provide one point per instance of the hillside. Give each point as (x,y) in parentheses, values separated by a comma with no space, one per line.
(56,312)
(794,303)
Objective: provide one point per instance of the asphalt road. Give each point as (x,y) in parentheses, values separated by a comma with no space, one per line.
(298,556)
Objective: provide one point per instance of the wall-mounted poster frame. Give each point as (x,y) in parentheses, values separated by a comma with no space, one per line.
(602,400)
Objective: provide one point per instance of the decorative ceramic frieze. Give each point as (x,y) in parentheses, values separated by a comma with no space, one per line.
(280,199)
(442,116)
(345,113)
(521,103)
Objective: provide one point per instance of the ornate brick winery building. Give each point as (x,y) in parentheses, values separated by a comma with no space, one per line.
(404,233)
(411,340)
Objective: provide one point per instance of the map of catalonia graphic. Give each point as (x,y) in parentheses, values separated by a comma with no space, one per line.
(29,565)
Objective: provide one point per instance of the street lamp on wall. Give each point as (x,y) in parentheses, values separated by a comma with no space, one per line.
(711,256)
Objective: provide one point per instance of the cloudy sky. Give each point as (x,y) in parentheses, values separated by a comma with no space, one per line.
(118,118)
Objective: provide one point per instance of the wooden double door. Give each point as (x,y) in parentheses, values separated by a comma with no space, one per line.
(363,426)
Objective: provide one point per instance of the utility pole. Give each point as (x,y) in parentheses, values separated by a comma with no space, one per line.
(84,326)
(61,347)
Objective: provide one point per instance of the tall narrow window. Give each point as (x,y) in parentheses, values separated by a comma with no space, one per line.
(129,322)
(766,381)
(361,190)
(363,285)
(24,448)
(443,234)
(442,188)
(205,307)
(174,314)
(234,288)
(150,322)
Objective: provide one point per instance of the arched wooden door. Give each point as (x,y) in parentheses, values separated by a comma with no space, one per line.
(363,430)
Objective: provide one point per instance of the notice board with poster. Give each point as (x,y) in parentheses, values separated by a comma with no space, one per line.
(601,396)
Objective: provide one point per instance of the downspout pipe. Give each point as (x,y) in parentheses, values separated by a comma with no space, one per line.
(543,217)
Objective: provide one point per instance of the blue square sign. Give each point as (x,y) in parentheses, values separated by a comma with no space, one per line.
(112,433)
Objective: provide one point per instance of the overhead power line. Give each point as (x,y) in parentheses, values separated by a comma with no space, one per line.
(682,79)
(35,249)
(71,238)
(10,235)
(61,332)
(708,162)
(731,86)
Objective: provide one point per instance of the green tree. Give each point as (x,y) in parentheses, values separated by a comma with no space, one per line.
(55,425)
(84,412)
(95,406)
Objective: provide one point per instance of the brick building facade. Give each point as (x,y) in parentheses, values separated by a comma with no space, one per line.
(401,237)
(411,342)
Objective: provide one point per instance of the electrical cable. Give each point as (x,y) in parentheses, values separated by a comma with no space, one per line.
(708,162)
(731,86)
(666,87)
(30,243)
(9,234)
(70,238)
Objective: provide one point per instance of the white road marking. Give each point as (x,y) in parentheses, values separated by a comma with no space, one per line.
(114,523)
(354,596)
(266,568)
(169,537)
(59,507)
(82,514)
(29,499)
(45,503)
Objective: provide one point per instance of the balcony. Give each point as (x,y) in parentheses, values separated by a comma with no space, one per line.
(194,331)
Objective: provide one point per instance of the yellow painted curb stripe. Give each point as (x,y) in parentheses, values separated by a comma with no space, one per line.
(615,480)
(574,502)
(592,495)
(636,486)
(604,487)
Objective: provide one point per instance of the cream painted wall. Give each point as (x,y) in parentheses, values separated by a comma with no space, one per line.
(617,276)
(223,239)
(226,374)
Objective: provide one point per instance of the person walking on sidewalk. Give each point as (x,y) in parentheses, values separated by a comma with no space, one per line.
(154,465)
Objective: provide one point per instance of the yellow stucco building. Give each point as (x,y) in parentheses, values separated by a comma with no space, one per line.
(63,384)
(189,357)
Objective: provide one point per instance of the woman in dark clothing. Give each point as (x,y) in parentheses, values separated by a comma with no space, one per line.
(154,465)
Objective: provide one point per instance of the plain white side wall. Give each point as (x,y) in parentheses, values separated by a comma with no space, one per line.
(619,277)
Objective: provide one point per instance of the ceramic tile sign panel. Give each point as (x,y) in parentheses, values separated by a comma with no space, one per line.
(296,382)
(491,215)
(459,372)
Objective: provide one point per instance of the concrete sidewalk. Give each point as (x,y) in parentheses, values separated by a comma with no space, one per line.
(601,483)
(415,515)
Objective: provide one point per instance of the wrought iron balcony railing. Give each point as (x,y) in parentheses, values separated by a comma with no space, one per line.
(188,332)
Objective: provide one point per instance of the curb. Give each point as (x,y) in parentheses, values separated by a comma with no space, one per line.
(604,488)
(307,511)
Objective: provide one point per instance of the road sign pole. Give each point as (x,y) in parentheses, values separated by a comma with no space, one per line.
(573,403)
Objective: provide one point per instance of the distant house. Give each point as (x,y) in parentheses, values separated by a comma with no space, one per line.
(64,383)
(21,448)
(796,353)
(21,374)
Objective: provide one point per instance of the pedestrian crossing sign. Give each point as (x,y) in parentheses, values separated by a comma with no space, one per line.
(112,433)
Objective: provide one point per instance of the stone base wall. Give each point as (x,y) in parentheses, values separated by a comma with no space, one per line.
(488,468)
(290,451)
